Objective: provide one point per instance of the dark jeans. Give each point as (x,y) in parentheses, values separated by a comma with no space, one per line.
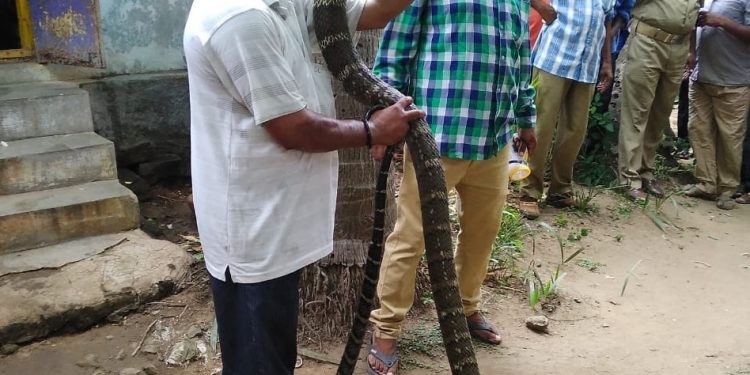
(683,110)
(745,179)
(257,325)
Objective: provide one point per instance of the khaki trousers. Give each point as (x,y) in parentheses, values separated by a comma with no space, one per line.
(717,128)
(562,117)
(651,80)
(482,186)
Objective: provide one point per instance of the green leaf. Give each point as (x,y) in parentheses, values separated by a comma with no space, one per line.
(676,207)
(624,285)
(646,201)
(658,221)
(538,278)
(573,256)
(533,295)
(547,289)
(627,278)
(557,236)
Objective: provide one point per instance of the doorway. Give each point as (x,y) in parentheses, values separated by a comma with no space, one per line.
(16,39)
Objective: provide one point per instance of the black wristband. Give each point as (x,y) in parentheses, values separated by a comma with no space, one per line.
(366,123)
(368,132)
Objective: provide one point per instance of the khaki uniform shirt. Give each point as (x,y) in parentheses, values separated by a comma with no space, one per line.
(673,16)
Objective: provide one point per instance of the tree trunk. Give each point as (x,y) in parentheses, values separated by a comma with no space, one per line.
(330,287)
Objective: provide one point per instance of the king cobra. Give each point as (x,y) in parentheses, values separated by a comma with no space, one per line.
(344,63)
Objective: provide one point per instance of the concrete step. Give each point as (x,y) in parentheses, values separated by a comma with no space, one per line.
(56,256)
(47,217)
(56,161)
(42,109)
(24,72)
(77,284)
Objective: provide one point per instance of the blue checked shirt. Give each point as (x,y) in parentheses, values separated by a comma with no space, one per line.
(467,64)
(571,46)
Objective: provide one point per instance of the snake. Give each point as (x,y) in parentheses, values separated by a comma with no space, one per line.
(345,64)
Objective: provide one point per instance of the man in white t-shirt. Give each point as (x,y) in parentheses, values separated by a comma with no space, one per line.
(264,165)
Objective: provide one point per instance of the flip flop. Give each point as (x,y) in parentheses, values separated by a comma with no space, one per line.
(388,360)
(483,325)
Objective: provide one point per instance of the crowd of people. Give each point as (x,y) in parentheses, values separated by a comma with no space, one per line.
(670,47)
(264,134)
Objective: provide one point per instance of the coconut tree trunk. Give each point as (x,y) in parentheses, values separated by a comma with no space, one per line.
(329,288)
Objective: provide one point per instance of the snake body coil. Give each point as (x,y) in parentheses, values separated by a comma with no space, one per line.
(346,66)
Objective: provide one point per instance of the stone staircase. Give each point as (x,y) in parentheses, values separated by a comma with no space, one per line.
(58,179)
(61,204)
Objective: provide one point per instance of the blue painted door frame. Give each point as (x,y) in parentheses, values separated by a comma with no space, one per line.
(67,32)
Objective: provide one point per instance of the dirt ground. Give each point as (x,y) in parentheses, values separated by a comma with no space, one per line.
(684,311)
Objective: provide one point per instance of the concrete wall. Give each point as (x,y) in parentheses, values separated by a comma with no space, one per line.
(143,106)
(143,36)
(147,116)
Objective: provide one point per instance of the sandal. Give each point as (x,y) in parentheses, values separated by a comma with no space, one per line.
(529,208)
(483,325)
(564,200)
(743,199)
(388,360)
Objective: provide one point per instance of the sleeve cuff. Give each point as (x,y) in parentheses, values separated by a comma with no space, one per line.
(526,123)
(283,106)
(354,13)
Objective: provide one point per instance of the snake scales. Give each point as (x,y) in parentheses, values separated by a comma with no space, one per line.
(331,29)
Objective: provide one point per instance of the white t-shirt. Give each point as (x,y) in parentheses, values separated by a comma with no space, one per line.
(263,211)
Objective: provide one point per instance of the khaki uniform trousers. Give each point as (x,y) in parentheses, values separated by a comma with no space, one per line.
(482,186)
(562,117)
(717,128)
(651,80)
